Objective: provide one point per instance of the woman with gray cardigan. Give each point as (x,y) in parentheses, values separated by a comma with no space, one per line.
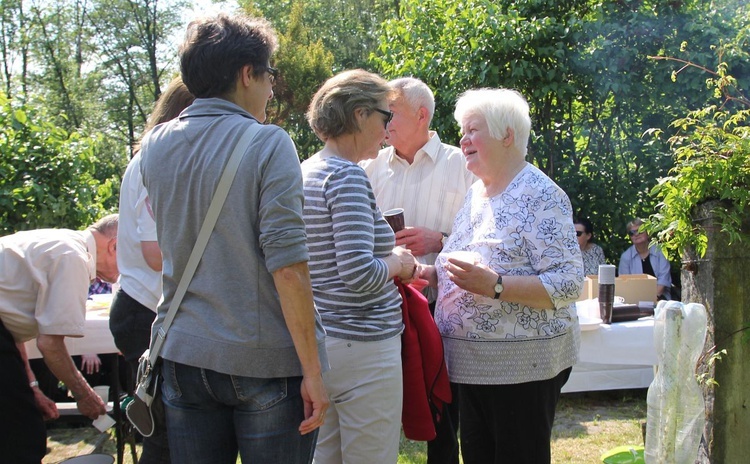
(243,359)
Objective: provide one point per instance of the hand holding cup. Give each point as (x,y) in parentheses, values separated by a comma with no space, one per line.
(395,218)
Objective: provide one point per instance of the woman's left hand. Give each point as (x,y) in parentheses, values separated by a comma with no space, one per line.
(474,278)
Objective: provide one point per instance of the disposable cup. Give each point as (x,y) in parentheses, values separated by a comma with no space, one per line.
(395,218)
(103,392)
(465,256)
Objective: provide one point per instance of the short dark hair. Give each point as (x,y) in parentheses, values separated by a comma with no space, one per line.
(216,48)
(588,227)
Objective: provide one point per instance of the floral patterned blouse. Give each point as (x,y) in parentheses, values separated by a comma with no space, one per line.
(526,230)
(592,258)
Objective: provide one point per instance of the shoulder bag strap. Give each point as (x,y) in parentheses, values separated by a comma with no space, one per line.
(217,202)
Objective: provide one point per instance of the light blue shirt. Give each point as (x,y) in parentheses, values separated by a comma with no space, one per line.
(630,263)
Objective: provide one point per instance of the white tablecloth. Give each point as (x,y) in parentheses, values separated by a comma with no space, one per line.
(97,338)
(615,356)
(612,357)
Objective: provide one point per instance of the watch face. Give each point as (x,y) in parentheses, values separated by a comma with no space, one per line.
(498,288)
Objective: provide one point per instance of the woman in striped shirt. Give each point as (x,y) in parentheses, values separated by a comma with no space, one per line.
(353,261)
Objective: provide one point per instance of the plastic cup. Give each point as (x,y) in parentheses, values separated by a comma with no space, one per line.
(465,256)
(395,218)
(606,292)
(606,302)
(103,392)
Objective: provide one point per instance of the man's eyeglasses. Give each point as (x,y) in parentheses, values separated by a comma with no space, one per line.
(273,73)
(579,233)
(633,232)
(388,115)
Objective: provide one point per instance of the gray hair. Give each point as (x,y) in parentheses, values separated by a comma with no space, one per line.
(416,93)
(106,226)
(634,222)
(503,109)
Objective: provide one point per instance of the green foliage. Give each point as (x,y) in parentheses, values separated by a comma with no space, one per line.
(347,28)
(317,38)
(95,66)
(705,378)
(304,64)
(711,148)
(583,66)
(46,174)
(712,153)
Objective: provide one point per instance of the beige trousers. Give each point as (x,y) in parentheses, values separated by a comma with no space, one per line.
(365,384)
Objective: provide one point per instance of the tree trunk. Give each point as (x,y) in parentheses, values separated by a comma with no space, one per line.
(719,281)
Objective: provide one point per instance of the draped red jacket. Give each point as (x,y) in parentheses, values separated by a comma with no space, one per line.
(426,385)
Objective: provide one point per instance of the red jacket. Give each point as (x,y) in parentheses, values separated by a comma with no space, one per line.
(426,385)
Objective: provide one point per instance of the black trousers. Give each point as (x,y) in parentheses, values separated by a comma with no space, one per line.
(509,423)
(130,324)
(444,448)
(23,436)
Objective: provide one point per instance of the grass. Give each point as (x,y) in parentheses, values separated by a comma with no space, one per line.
(586,425)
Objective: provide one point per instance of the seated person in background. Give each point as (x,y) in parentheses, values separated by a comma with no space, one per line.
(642,259)
(90,364)
(591,253)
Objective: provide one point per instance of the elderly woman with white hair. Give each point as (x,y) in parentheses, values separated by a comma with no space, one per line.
(505,305)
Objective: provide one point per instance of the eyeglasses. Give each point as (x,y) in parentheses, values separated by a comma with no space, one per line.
(579,233)
(388,115)
(633,232)
(273,73)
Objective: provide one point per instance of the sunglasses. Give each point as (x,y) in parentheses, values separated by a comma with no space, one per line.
(633,232)
(579,233)
(388,115)
(273,73)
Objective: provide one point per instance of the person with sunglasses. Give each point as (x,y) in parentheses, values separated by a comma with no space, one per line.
(592,254)
(353,261)
(243,359)
(641,258)
(429,180)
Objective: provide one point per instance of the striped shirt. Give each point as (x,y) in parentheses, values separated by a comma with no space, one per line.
(347,239)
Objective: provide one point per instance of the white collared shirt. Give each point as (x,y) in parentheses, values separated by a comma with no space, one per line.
(45,280)
(431,190)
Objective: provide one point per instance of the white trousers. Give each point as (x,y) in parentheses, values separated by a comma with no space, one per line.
(365,384)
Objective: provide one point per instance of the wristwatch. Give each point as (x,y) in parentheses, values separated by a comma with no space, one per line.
(498,287)
(443,239)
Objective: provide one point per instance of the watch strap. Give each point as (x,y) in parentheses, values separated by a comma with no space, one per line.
(500,283)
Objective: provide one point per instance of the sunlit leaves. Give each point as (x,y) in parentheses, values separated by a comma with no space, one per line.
(712,153)
(46,174)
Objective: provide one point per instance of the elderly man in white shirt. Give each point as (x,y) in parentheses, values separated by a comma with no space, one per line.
(44,280)
(428,179)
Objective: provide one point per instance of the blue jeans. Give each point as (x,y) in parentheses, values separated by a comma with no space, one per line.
(213,416)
